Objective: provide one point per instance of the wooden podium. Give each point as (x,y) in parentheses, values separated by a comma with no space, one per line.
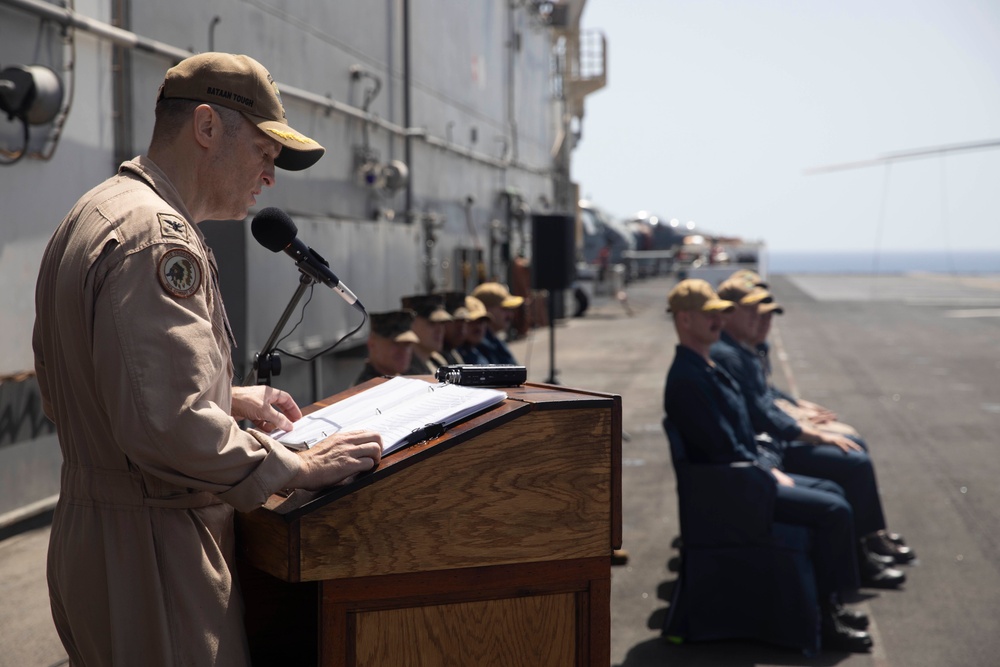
(488,546)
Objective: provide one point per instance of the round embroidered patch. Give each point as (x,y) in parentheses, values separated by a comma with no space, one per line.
(180,272)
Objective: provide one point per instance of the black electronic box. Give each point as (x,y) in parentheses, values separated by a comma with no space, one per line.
(483,375)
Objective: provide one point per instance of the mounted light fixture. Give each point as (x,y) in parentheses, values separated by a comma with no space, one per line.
(32,94)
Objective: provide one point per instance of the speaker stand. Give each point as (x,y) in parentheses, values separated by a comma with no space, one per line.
(552,338)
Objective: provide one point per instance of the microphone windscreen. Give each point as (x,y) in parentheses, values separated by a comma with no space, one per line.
(273,228)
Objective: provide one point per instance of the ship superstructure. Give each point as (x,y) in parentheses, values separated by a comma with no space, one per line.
(447,124)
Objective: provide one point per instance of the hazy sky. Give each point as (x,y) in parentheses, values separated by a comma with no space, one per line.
(714,108)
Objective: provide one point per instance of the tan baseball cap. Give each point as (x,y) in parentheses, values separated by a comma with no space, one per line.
(744,293)
(241,83)
(772,307)
(695,294)
(496,294)
(477,311)
(749,276)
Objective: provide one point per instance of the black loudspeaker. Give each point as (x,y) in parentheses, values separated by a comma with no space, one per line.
(553,251)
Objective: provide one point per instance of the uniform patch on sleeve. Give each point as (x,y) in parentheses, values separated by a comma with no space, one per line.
(173,227)
(180,272)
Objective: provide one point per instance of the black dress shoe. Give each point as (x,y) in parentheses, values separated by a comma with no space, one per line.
(856,620)
(895,538)
(837,636)
(880,544)
(876,575)
(881,559)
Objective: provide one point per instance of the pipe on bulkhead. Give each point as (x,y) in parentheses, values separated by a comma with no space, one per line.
(407,111)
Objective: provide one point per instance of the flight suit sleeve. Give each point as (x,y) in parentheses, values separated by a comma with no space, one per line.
(41,375)
(164,378)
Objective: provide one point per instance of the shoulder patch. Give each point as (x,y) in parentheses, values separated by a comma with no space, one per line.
(173,227)
(179,272)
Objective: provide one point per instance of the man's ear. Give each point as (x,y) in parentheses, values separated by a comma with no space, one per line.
(207,125)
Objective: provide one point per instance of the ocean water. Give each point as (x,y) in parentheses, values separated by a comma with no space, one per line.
(885,262)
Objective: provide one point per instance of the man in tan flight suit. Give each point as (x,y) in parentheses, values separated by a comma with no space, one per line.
(132,350)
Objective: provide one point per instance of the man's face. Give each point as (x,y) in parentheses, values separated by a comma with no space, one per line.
(454,333)
(742,324)
(387,356)
(243,167)
(431,334)
(703,328)
(501,317)
(474,331)
(763,327)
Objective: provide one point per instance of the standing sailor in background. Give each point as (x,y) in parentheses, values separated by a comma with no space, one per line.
(133,355)
(429,324)
(500,304)
(390,345)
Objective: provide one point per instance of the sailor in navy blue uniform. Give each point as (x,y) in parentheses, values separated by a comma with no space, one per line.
(803,448)
(477,324)
(883,543)
(500,304)
(706,406)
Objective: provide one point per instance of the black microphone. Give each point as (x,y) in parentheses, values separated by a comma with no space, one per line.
(276,231)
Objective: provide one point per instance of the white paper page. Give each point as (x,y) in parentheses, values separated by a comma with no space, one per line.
(447,404)
(394,409)
(350,414)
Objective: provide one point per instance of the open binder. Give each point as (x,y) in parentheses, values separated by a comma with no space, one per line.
(402,410)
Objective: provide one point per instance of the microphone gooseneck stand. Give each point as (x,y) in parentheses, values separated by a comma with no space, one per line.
(267,362)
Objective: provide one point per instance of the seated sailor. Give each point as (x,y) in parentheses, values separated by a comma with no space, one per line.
(802,447)
(709,411)
(390,345)
(429,325)
(475,330)
(454,331)
(500,304)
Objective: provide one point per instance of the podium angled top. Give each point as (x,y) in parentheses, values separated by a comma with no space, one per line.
(536,477)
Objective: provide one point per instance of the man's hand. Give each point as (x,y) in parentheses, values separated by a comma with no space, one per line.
(783,479)
(813,435)
(338,459)
(266,407)
(845,443)
(817,413)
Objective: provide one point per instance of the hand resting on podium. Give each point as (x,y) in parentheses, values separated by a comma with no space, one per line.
(338,459)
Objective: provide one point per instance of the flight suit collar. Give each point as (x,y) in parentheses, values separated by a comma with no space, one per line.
(145,169)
